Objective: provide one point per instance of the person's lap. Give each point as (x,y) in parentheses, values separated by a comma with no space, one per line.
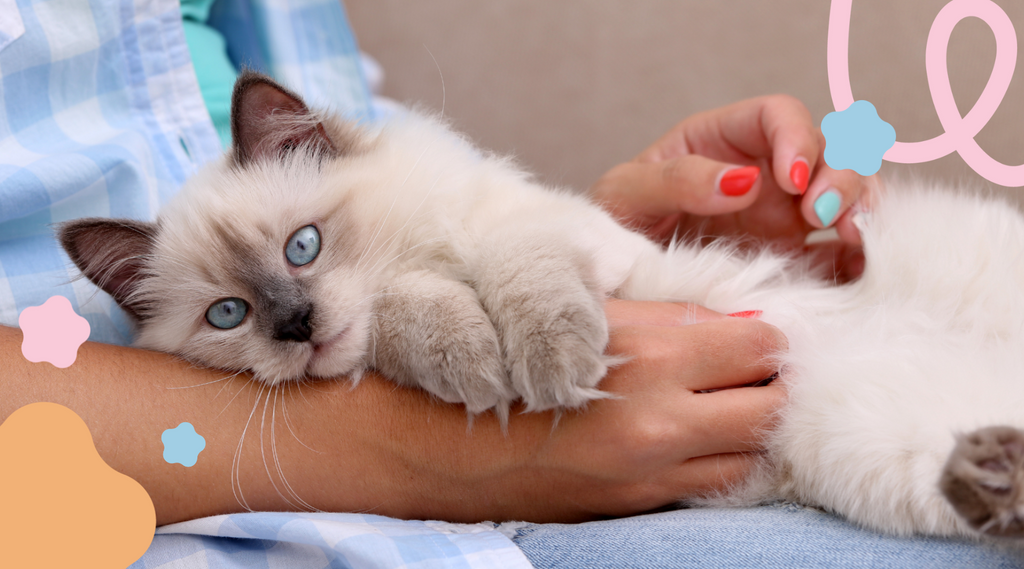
(784,535)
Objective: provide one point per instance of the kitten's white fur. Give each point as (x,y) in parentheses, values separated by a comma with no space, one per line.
(883,373)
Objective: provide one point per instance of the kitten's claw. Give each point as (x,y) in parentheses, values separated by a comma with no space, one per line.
(561,362)
(984,480)
(431,332)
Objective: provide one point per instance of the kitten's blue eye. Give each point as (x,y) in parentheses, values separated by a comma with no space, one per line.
(303,246)
(227,313)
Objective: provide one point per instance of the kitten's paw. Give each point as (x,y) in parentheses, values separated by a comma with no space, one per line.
(468,369)
(431,332)
(984,480)
(558,362)
(460,365)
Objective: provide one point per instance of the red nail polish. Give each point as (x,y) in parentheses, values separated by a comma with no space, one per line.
(746,314)
(800,174)
(738,181)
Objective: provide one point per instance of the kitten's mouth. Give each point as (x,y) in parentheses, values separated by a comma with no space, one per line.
(323,348)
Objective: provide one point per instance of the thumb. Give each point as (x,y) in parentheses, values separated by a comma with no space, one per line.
(689,184)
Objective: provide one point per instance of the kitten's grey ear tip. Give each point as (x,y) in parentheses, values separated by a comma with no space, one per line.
(247,76)
(68,231)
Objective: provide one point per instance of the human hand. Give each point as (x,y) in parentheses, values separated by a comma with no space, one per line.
(661,439)
(755,168)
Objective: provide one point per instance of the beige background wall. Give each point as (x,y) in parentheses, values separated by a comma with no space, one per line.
(574,86)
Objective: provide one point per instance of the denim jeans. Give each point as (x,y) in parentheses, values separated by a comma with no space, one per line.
(777,536)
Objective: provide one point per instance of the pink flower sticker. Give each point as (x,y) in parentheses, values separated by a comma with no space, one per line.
(52,332)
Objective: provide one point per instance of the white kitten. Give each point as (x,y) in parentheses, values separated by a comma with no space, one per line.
(316,248)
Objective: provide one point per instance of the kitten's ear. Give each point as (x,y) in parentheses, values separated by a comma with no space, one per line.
(268,121)
(111,253)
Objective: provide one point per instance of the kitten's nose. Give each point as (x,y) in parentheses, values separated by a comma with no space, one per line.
(296,328)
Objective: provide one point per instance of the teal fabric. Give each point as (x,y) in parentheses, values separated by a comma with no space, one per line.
(214,71)
(196,10)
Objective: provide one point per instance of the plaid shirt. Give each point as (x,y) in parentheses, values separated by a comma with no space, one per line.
(101,115)
(360,541)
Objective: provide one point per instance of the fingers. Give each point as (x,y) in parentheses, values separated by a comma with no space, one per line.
(696,477)
(716,354)
(671,439)
(789,137)
(730,352)
(690,183)
(733,420)
(777,128)
(830,196)
(720,355)
(797,147)
(699,476)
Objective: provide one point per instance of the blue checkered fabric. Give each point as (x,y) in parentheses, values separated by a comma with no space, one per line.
(300,541)
(101,115)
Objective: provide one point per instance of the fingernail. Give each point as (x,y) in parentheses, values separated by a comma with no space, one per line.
(738,181)
(800,174)
(827,206)
(746,314)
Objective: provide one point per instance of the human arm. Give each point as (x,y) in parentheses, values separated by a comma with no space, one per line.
(393,451)
(674,186)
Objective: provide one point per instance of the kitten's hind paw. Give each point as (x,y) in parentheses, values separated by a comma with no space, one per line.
(984,480)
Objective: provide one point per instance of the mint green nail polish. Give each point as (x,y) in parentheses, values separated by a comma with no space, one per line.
(827,206)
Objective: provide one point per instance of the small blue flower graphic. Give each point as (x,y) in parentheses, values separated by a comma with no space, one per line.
(857,138)
(182,444)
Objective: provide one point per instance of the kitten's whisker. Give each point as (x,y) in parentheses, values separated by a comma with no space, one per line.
(439,74)
(310,385)
(287,423)
(374,269)
(368,510)
(263,450)
(277,462)
(303,394)
(232,376)
(236,460)
(274,456)
(426,195)
(221,390)
(247,384)
(380,226)
(420,158)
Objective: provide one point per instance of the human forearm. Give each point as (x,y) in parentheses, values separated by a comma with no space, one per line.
(394,451)
(372,447)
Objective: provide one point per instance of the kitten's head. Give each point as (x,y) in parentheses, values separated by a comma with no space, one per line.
(258,263)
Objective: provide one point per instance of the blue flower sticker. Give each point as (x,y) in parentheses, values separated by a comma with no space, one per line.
(856,138)
(182,444)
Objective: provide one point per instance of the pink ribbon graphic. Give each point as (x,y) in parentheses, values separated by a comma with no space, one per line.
(959,132)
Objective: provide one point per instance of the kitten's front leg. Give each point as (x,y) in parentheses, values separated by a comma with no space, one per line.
(430,331)
(550,321)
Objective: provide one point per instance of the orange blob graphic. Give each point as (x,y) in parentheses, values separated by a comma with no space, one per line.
(62,506)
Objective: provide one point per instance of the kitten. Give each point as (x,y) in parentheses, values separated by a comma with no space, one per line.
(321,248)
